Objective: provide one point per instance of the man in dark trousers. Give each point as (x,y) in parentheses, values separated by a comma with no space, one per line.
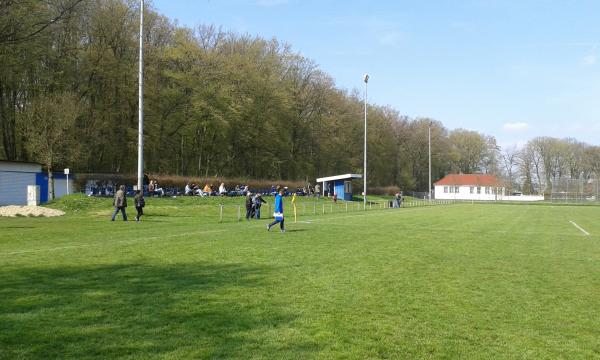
(257,201)
(249,206)
(278,214)
(139,204)
(120,203)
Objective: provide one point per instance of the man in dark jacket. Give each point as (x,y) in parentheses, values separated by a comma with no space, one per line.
(120,203)
(139,203)
(257,202)
(248,205)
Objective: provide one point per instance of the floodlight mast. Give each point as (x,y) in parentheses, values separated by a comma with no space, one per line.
(140,179)
(366,80)
(429,138)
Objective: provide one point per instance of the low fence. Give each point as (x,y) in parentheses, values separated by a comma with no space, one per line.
(229,213)
(575,190)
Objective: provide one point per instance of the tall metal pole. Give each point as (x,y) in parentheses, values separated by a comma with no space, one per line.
(366,79)
(140,180)
(429,137)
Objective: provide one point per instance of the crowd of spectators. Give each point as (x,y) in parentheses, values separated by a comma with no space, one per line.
(108,188)
(153,188)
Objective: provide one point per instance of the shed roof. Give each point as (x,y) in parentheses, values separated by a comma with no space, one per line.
(20,166)
(340,177)
(469,179)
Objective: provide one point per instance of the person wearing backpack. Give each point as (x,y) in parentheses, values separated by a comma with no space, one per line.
(139,204)
(120,203)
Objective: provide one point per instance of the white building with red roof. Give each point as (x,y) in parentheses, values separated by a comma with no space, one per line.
(481,187)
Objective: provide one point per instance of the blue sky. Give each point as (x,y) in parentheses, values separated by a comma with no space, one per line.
(511,69)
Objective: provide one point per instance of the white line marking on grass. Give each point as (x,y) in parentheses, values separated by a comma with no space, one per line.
(580,228)
(133,241)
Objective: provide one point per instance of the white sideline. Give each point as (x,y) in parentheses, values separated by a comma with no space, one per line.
(580,228)
(112,242)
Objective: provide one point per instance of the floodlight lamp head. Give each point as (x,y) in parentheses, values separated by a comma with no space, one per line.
(366,78)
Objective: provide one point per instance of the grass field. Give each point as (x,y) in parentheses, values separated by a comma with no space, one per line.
(472,281)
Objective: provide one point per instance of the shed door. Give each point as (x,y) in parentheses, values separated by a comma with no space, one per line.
(348,187)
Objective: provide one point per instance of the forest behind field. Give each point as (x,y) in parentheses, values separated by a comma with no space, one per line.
(221,104)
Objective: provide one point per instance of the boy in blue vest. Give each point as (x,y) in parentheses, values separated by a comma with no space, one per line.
(278,211)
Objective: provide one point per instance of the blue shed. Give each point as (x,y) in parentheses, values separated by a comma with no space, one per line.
(15,176)
(339,184)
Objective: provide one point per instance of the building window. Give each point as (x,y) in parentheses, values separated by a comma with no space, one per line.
(479,189)
(456,189)
(445,189)
(472,190)
(487,190)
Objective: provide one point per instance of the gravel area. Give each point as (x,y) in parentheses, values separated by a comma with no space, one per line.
(13,211)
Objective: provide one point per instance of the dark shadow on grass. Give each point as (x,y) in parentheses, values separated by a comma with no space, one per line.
(295,230)
(140,311)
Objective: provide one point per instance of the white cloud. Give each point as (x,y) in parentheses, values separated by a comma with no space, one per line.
(269,3)
(589,60)
(516,126)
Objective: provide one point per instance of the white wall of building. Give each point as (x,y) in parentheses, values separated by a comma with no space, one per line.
(524,198)
(465,192)
(448,192)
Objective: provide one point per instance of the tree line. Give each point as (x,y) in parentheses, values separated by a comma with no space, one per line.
(218,103)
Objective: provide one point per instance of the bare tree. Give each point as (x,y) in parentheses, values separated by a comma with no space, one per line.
(50,130)
(510,157)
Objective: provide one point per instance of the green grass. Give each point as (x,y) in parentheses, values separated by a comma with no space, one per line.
(472,281)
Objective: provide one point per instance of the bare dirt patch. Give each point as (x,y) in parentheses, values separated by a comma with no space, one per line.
(14,211)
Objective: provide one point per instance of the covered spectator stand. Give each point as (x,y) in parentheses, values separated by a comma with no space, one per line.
(339,184)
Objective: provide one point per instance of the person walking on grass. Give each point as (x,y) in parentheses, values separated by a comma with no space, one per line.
(257,202)
(139,204)
(120,203)
(248,205)
(278,214)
